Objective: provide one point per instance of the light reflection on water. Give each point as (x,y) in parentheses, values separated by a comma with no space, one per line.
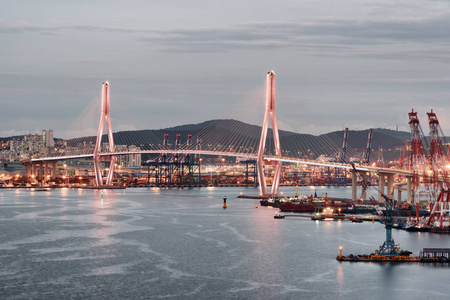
(170,243)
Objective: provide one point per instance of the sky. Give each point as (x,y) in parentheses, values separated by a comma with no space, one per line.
(348,63)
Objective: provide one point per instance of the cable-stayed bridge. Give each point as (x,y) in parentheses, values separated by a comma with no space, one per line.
(221,137)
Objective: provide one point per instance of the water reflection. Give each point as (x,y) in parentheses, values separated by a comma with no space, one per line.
(340,279)
(388,271)
(184,245)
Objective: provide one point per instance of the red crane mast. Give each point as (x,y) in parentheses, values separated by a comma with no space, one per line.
(438,163)
(418,158)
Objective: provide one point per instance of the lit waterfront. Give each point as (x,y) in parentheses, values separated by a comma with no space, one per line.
(181,244)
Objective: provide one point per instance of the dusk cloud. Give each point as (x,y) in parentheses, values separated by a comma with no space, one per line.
(353,63)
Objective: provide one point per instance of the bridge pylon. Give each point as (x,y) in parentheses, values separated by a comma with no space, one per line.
(269,116)
(104,117)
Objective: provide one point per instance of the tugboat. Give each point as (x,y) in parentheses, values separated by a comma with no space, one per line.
(269,202)
(277,216)
(356,220)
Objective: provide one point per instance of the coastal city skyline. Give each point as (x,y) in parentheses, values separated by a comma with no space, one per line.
(173,63)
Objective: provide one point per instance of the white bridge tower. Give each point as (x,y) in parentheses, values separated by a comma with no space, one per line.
(104,117)
(269,115)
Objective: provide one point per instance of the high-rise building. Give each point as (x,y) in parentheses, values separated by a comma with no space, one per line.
(47,137)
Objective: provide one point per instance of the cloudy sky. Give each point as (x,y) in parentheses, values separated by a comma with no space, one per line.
(347,63)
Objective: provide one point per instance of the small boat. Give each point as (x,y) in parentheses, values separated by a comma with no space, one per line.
(41,189)
(359,209)
(277,216)
(357,220)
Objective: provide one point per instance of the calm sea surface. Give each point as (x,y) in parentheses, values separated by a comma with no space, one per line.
(181,244)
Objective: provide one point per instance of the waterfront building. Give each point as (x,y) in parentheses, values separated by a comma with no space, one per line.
(131,160)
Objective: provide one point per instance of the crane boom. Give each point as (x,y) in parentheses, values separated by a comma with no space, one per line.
(418,158)
(367,150)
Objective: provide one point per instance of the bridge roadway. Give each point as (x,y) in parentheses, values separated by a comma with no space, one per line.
(383,173)
(235,154)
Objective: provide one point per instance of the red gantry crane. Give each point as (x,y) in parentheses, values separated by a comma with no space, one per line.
(418,159)
(440,207)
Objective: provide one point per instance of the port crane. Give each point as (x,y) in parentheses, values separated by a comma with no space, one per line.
(418,159)
(440,208)
(343,149)
(388,248)
(366,151)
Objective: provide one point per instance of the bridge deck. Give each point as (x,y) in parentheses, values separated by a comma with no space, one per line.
(234,154)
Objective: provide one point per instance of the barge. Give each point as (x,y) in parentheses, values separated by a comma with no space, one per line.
(427,255)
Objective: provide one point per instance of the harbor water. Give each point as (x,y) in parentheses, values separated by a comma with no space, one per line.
(181,244)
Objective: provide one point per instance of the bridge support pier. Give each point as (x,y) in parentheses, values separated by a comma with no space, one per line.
(408,189)
(46,172)
(54,173)
(35,170)
(364,191)
(390,186)
(381,179)
(41,171)
(354,185)
(27,170)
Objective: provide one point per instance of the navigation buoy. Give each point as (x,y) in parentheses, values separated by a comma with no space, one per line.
(224,202)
